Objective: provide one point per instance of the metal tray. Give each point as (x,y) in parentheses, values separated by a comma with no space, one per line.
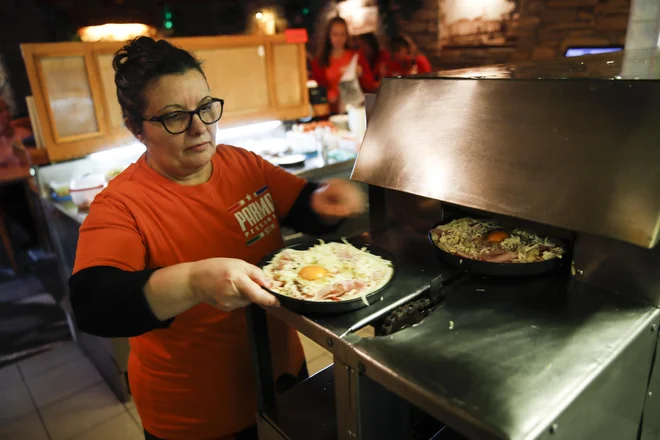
(328,307)
(493,269)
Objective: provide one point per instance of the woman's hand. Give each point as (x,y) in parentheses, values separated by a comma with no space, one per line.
(229,284)
(337,199)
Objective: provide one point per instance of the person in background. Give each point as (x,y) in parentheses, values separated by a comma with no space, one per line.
(15,211)
(404,62)
(9,135)
(377,58)
(333,58)
(167,253)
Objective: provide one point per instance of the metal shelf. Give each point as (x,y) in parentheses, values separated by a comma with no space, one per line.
(304,412)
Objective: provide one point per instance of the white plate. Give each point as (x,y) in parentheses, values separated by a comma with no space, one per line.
(289,160)
(302,142)
(340,121)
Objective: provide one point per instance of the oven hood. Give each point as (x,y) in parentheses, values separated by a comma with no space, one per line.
(579,154)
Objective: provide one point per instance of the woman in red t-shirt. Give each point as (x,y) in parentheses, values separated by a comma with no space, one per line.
(377,58)
(167,253)
(404,62)
(333,58)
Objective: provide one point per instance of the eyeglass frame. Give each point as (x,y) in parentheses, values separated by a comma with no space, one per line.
(191,114)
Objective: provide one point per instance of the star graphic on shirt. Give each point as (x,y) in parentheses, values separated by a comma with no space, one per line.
(248,197)
(247,234)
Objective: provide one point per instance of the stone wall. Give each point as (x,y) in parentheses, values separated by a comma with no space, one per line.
(545,29)
(549,27)
(423,27)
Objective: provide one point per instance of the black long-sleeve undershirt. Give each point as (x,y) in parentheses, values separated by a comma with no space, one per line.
(110,302)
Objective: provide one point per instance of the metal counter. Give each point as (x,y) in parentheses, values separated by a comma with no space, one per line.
(509,363)
(565,356)
(498,360)
(313,169)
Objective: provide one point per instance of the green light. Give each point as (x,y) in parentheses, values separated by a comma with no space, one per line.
(168,24)
(168,16)
(306,11)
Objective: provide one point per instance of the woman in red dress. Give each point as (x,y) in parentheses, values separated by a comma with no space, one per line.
(334,57)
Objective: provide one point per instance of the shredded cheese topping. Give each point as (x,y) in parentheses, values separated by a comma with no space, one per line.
(492,242)
(328,272)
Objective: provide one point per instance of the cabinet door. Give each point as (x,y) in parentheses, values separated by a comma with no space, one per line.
(109,89)
(71,107)
(239,76)
(288,74)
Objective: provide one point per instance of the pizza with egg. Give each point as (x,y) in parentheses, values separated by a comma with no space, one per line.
(328,272)
(492,242)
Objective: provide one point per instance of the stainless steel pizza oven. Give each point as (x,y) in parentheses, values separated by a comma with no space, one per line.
(579,155)
(527,359)
(566,355)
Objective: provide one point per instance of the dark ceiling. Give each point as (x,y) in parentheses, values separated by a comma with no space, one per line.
(23,21)
(190,17)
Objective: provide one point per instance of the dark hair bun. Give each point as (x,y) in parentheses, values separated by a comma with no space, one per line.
(141,62)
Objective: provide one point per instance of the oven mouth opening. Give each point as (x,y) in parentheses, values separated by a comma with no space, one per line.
(414,312)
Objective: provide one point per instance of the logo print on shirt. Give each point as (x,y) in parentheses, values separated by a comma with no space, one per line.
(256,215)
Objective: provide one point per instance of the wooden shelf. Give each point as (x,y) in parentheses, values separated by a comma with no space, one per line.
(38,156)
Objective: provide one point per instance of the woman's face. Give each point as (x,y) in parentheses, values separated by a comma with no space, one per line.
(365,48)
(338,36)
(187,153)
(402,54)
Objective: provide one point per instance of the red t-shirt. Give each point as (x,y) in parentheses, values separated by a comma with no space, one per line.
(406,68)
(381,63)
(194,380)
(330,76)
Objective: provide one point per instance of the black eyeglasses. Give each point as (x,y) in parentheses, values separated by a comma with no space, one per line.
(180,121)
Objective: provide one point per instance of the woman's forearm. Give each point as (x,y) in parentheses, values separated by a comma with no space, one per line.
(168,292)
(111,302)
(302,217)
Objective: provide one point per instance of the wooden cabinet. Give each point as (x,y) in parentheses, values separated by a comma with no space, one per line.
(259,77)
(248,96)
(69,97)
(109,91)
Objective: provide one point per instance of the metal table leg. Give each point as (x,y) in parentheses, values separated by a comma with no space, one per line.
(347,402)
(365,409)
(260,346)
